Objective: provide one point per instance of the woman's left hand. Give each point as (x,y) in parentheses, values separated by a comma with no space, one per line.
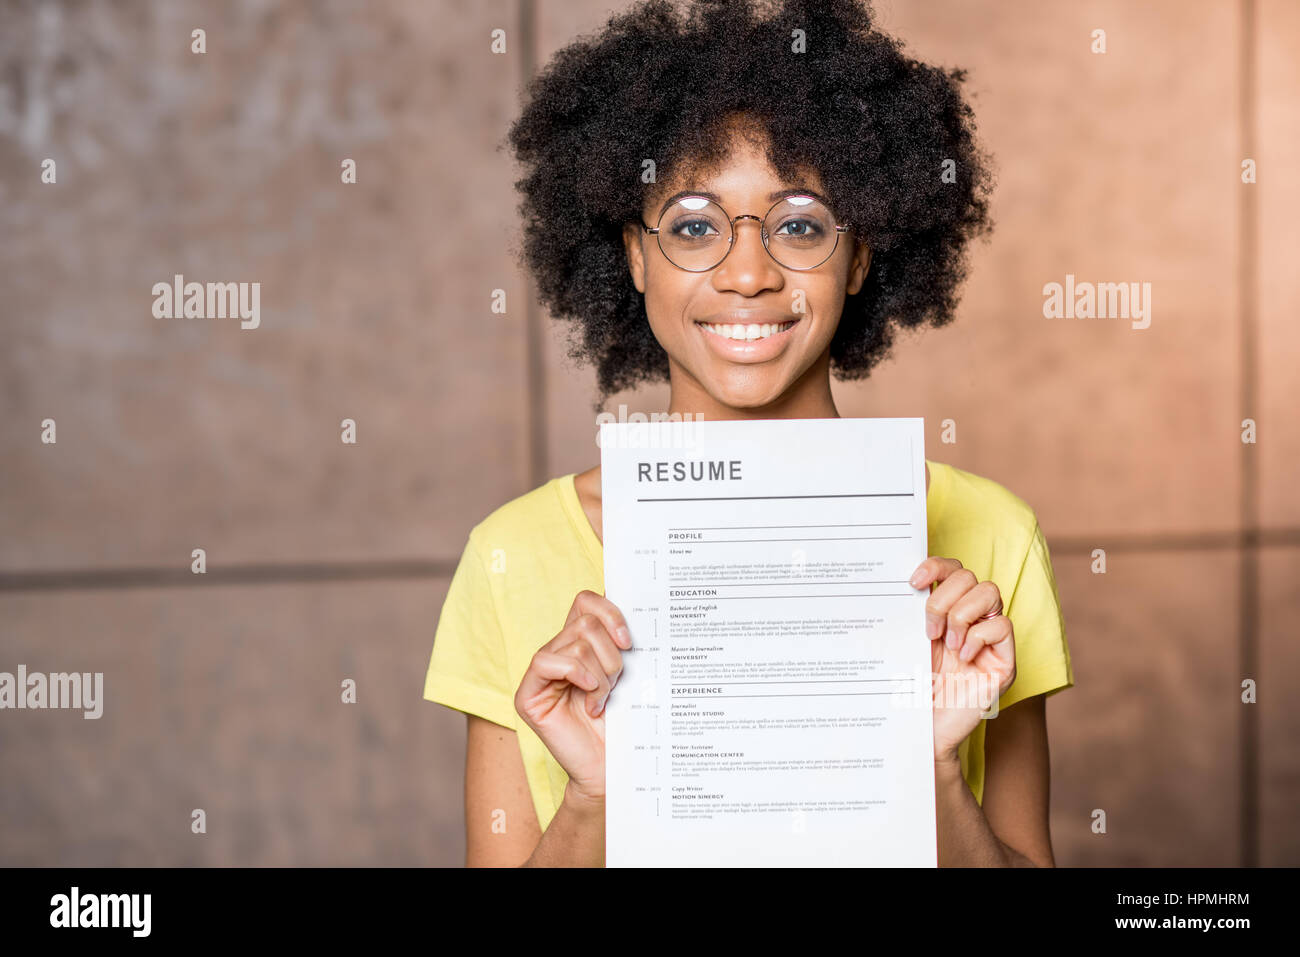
(972,649)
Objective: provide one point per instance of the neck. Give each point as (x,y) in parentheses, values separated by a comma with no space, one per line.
(808,398)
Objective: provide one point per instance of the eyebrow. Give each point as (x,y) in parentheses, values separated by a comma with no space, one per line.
(772,197)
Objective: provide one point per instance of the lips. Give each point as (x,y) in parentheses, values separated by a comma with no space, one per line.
(732,342)
(747,332)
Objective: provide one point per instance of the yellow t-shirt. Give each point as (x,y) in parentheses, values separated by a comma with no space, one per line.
(524,563)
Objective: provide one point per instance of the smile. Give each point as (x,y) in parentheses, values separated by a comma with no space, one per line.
(748,332)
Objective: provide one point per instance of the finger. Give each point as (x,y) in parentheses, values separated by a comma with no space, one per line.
(983,600)
(548,666)
(933,569)
(591,629)
(995,634)
(996,658)
(595,697)
(941,601)
(587,602)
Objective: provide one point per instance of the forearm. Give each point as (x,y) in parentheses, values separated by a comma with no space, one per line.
(575,837)
(965,838)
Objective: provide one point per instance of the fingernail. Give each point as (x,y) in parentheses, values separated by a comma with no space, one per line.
(917,577)
(933,629)
(951,639)
(624,635)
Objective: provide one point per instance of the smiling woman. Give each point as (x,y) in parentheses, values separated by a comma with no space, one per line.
(812,195)
(832,104)
(742,332)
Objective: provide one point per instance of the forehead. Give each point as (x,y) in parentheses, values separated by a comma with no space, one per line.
(742,174)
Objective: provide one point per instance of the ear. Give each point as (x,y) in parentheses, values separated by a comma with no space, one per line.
(858,268)
(635,255)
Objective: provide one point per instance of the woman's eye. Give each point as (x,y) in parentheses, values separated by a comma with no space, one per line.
(694,229)
(798,228)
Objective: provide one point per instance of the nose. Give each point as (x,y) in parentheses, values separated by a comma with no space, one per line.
(747,268)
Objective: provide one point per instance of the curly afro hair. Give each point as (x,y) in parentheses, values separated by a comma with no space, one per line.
(659,83)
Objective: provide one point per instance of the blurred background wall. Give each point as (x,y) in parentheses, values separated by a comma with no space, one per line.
(328,561)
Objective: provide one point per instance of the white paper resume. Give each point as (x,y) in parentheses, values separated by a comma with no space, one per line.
(775,706)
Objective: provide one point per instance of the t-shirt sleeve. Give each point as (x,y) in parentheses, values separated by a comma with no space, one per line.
(1042,654)
(467,670)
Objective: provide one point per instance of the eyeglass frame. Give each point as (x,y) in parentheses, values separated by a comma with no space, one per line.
(731,239)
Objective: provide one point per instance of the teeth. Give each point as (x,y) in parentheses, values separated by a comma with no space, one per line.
(744,332)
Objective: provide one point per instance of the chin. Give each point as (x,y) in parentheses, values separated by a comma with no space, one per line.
(752,392)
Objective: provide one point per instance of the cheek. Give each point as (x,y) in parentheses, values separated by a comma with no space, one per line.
(668,297)
(822,298)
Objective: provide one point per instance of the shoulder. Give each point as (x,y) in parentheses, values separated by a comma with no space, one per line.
(983,524)
(995,533)
(534,514)
(964,498)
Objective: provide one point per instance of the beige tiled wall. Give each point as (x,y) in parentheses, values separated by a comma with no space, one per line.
(329,561)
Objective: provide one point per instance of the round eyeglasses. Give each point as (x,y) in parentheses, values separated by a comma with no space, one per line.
(696,234)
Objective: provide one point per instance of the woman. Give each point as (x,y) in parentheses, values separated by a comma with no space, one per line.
(741,204)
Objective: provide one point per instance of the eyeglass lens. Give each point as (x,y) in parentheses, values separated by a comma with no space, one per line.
(799,232)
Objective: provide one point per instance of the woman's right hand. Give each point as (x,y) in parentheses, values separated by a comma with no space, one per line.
(563,693)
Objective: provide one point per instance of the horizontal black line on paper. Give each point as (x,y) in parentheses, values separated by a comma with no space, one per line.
(765,584)
(826,694)
(879,594)
(802,538)
(790,681)
(746,498)
(737,528)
